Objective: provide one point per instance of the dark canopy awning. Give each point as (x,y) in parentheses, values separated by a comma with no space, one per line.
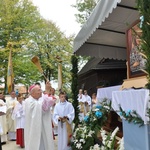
(104,33)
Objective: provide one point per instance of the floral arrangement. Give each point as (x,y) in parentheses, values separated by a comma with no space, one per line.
(87,135)
(131,116)
(96,118)
(84,140)
(109,141)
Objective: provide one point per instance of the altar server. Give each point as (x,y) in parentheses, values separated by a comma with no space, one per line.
(63,116)
(88,101)
(56,97)
(11,102)
(82,108)
(19,115)
(38,129)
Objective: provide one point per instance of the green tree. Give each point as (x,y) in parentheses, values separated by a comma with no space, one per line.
(19,23)
(54,47)
(85,8)
(30,34)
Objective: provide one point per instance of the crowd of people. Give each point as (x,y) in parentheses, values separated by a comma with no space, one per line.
(35,120)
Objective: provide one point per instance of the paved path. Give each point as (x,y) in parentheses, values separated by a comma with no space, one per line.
(11,145)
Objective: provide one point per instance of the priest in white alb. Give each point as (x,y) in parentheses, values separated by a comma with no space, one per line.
(11,124)
(82,108)
(38,129)
(63,116)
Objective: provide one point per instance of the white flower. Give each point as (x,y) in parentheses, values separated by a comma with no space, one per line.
(96,109)
(90,133)
(75,141)
(96,147)
(104,136)
(107,107)
(83,135)
(114,132)
(121,144)
(109,144)
(102,148)
(82,140)
(79,146)
(94,119)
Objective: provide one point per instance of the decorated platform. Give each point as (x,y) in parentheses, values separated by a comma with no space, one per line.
(133,107)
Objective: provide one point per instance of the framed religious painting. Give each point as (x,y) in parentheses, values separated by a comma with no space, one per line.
(136,59)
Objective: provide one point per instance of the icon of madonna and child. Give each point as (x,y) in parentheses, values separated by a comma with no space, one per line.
(137,58)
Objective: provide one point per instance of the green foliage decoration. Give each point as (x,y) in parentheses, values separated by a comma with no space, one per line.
(144,9)
(74,87)
(131,116)
(85,135)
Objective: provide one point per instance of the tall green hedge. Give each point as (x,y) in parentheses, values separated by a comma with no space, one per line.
(74,87)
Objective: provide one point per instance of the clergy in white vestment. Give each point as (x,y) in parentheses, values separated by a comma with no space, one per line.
(19,115)
(0,139)
(3,122)
(88,101)
(94,100)
(82,108)
(56,97)
(11,124)
(63,116)
(38,129)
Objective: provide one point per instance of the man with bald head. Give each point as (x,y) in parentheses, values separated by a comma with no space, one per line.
(38,132)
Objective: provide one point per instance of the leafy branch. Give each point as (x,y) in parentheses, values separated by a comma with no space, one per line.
(131,116)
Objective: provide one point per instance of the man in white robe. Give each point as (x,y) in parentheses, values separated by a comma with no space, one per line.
(82,108)
(56,97)
(11,124)
(38,129)
(3,122)
(88,101)
(63,116)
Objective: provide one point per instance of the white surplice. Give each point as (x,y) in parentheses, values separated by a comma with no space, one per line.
(63,109)
(81,100)
(3,123)
(11,124)
(19,115)
(89,101)
(38,130)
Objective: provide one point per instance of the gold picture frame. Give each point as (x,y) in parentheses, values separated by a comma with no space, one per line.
(136,61)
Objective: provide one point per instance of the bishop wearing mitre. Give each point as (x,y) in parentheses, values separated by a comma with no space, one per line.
(38,129)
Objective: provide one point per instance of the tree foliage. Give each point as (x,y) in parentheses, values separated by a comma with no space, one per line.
(30,35)
(85,8)
(19,22)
